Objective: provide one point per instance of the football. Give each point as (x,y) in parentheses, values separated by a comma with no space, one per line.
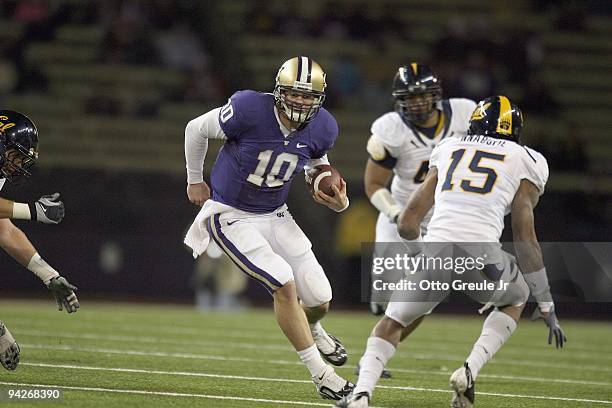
(322,178)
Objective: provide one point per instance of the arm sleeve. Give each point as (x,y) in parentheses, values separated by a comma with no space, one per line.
(197,133)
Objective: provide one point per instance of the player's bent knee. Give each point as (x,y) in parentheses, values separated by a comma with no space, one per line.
(316,290)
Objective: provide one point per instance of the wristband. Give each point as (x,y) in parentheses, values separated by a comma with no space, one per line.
(42,269)
(384,202)
(22,211)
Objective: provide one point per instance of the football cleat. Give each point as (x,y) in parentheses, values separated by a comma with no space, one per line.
(331,386)
(385,373)
(462,383)
(378,308)
(9,349)
(330,348)
(359,400)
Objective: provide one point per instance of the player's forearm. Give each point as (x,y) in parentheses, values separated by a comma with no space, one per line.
(529,255)
(15,243)
(20,211)
(6,208)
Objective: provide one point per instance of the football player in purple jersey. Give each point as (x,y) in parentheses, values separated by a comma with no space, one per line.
(269,138)
(18,153)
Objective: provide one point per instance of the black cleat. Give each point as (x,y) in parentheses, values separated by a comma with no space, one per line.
(337,357)
(462,383)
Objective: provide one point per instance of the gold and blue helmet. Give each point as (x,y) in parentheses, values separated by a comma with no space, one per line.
(498,117)
(300,77)
(416,90)
(18,145)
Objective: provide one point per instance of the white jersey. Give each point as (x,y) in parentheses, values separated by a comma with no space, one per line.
(478,177)
(2,181)
(411,149)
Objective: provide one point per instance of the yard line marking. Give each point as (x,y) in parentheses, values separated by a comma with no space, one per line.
(164,394)
(298,363)
(285,380)
(287,348)
(265,334)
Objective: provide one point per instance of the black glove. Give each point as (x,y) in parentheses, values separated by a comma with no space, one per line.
(48,209)
(554,329)
(64,295)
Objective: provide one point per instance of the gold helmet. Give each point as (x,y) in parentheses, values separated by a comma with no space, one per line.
(300,77)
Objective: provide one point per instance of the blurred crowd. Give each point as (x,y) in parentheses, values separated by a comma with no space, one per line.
(472,60)
(158,33)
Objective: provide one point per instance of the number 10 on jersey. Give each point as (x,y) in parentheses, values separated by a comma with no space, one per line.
(272,179)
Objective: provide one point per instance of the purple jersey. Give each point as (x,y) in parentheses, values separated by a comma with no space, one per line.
(255,166)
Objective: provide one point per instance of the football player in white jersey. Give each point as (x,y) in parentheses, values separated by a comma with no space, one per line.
(399,149)
(18,153)
(474,180)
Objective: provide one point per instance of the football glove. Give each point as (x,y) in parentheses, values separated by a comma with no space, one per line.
(554,328)
(64,295)
(49,209)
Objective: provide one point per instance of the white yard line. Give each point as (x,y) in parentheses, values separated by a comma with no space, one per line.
(287,348)
(294,362)
(284,380)
(165,394)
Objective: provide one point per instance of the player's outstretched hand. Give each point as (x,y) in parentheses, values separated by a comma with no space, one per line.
(49,209)
(337,202)
(64,295)
(198,193)
(554,328)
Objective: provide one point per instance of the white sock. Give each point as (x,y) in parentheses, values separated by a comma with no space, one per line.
(377,353)
(316,328)
(496,330)
(311,357)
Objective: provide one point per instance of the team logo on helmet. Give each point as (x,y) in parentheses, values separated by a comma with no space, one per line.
(480,111)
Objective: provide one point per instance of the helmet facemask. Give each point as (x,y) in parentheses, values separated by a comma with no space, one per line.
(296,112)
(418,105)
(16,162)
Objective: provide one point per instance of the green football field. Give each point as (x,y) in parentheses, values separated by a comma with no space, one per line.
(125,355)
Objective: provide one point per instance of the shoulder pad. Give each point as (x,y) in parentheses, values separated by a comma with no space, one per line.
(376,149)
(388,130)
(462,106)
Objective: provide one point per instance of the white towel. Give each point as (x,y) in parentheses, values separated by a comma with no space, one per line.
(197,237)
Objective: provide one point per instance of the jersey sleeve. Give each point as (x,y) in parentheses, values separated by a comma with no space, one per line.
(384,143)
(240,113)
(463,107)
(533,167)
(324,135)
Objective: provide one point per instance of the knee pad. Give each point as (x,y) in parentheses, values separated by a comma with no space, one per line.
(312,285)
